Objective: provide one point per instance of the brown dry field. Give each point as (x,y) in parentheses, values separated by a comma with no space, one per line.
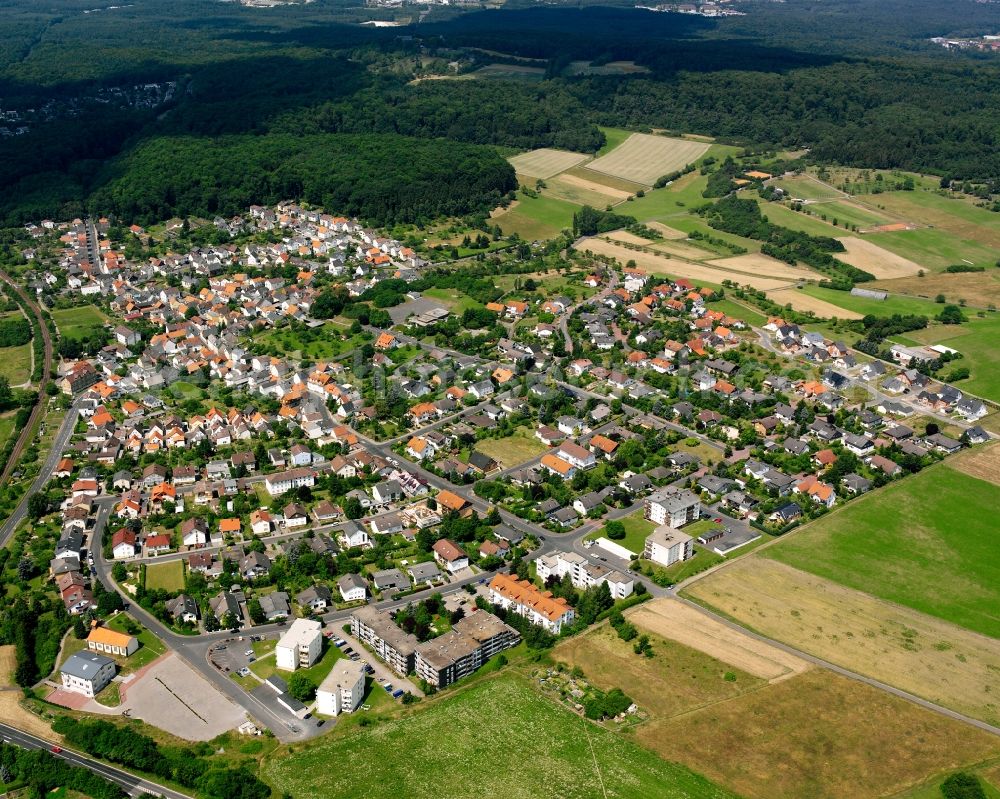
(755,263)
(978,289)
(925,656)
(817,735)
(545,162)
(695,679)
(598,188)
(982,462)
(661,265)
(675,620)
(628,238)
(683,249)
(668,232)
(803,302)
(880,262)
(11,711)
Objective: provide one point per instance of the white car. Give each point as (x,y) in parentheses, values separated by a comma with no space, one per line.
(244,672)
(249,653)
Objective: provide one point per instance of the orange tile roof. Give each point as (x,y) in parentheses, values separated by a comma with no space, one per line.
(102,635)
(524,593)
(556,463)
(451,500)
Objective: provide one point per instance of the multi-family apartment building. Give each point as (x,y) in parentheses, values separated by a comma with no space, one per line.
(672,507)
(379,632)
(531,602)
(459,652)
(583,573)
(300,646)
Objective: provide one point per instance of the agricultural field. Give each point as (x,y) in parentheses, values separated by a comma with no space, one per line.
(927,542)
(644,158)
(78,322)
(584,191)
(695,678)
(865,254)
(545,163)
(923,655)
(536,217)
(508,72)
(799,220)
(977,289)
(936,249)
(758,264)
(734,309)
(663,264)
(442,748)
(865,305)
(818,735)
(802,300)
(977,340)
(612,138)
(936,209)
(167,576)
(806,187)
(513,450)
(845,213)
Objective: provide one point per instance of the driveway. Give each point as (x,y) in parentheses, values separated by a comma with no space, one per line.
(173,697)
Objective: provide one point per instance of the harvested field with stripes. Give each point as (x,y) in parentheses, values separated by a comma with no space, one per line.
(644,158)
(545,163)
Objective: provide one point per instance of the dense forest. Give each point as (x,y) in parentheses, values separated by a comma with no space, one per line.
(855,82)
(382,178)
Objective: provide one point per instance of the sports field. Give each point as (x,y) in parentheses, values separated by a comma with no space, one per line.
(913,651)
(498,737)
(644,158)
(927,542)
(545,163)
(167,576)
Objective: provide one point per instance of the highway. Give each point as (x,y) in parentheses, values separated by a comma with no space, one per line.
(132,785)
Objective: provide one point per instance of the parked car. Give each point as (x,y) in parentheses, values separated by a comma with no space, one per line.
(249,653)
(244,672)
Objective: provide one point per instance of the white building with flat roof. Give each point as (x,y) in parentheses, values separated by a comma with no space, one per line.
(301,646)
(673,507)
(667,546)
(343,689)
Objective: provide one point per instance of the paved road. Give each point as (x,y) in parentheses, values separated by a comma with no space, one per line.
(132,785)
(42,400)
(59,444)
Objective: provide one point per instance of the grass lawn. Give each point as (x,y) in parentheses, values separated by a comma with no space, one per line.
(78,322)
(932,790)
(977,340)
(738,311)
(15,364)
(495,738)
(537,217)
(456,301)
(110,696)
(321,343)
(956,215)
(513,450)
(846,212)
(702,559)
(185,390)
(797,220)
(927,542)
(266,667)
(637,529)
(150,647)
(6,426)
(167,576)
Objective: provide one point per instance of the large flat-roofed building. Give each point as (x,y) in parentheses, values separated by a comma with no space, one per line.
(527,600)
(342,690)
(666,546)
(459,652)
(583,573)
(672,507)
(87,673)
(300,646)
(377,629)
